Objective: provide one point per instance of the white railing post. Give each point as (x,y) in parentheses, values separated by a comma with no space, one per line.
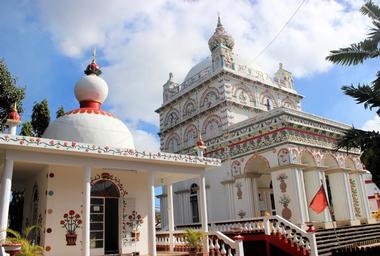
(239,248)
(313,245)
(266,224)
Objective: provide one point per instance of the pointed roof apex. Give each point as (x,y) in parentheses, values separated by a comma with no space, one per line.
(219,24)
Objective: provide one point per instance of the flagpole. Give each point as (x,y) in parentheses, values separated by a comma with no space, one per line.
(331,215)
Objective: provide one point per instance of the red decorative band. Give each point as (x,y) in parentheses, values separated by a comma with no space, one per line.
(369,182)
(90,104)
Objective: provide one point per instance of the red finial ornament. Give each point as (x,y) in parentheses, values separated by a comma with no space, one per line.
(93,68)
(200,143)
(13,115)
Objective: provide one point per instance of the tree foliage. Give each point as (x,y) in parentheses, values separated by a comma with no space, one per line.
(9,94)
(60,112)
(27,129)
(366,94)
(40,117)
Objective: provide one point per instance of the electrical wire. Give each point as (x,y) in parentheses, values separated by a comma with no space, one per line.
(282,28)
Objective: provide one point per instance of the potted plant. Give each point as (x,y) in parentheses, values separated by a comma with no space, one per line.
(71,221)
(20,245)
(194,240)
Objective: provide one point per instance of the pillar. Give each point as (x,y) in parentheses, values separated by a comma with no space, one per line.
(363,197)
(5,196)
(203,211)
(171,216)
(151,217)
(313,179)
(255,190)
(341,196)
(86,210)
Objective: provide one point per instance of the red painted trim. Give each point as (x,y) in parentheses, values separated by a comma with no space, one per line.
(89,111)
(369,182)
(90,104)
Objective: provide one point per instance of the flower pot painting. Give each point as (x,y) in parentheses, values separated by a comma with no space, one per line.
(286,212)
(71,221)
(134,223)
(282,177)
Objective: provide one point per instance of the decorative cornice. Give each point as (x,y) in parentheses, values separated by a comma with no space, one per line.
(71,146)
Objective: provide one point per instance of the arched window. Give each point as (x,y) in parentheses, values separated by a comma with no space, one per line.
(212,129)
(191,138)
(105,188)
(172,145)
(194,202)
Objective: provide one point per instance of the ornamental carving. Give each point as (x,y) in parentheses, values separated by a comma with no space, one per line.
(283,157)
(236,168)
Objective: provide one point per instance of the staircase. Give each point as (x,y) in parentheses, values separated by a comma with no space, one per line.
(330,239)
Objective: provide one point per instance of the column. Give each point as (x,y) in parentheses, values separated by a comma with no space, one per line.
(341,196)
(171,216)
(255,191)
(5,195)
(151,217)
(86,210)
(313,179)
(363,198)
(203,211)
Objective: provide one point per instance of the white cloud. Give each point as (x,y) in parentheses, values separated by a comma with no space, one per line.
(143,41)
(145,141)
(372,124)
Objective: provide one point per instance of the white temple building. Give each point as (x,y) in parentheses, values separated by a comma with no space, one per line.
(85,183)
(275,157)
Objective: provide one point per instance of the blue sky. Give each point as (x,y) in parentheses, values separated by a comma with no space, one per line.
(47,46)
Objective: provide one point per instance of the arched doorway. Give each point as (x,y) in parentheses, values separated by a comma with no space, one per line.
(104,218)
(258,167)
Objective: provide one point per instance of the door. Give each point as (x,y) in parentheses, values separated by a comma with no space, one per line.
(111,226)
(104,218)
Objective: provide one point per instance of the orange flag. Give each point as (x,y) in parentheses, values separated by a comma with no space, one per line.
(319,201)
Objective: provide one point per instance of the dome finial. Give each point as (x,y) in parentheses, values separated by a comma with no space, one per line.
(220,37)
(94,55)
(93,68)
(219,24)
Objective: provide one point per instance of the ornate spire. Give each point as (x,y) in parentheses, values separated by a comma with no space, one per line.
(13,115)
(93,68)
(220,37)
(200,146)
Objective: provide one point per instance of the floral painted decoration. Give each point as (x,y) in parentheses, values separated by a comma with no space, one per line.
(282,177)
(284,200)
(71,221)
(134,221)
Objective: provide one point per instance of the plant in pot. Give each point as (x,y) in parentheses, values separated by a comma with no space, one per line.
(20,244)
(134,222)
(194,240)
(71,221)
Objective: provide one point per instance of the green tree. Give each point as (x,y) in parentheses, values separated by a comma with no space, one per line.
(40,117)
(366,94)
(27,129)
(9,93)
(60,112)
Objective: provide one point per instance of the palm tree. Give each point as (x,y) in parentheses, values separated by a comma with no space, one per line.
(366,94)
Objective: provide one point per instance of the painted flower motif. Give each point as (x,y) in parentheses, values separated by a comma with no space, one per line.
(73,144)
(51,142)
(71,221)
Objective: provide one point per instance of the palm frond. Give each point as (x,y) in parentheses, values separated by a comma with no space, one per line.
(29,229)
(356,138)
(354,54)
(371,10)
(14,233)
(364,94)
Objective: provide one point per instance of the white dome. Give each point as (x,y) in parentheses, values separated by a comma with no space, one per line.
(91,126)
(204,64)
(91,87)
